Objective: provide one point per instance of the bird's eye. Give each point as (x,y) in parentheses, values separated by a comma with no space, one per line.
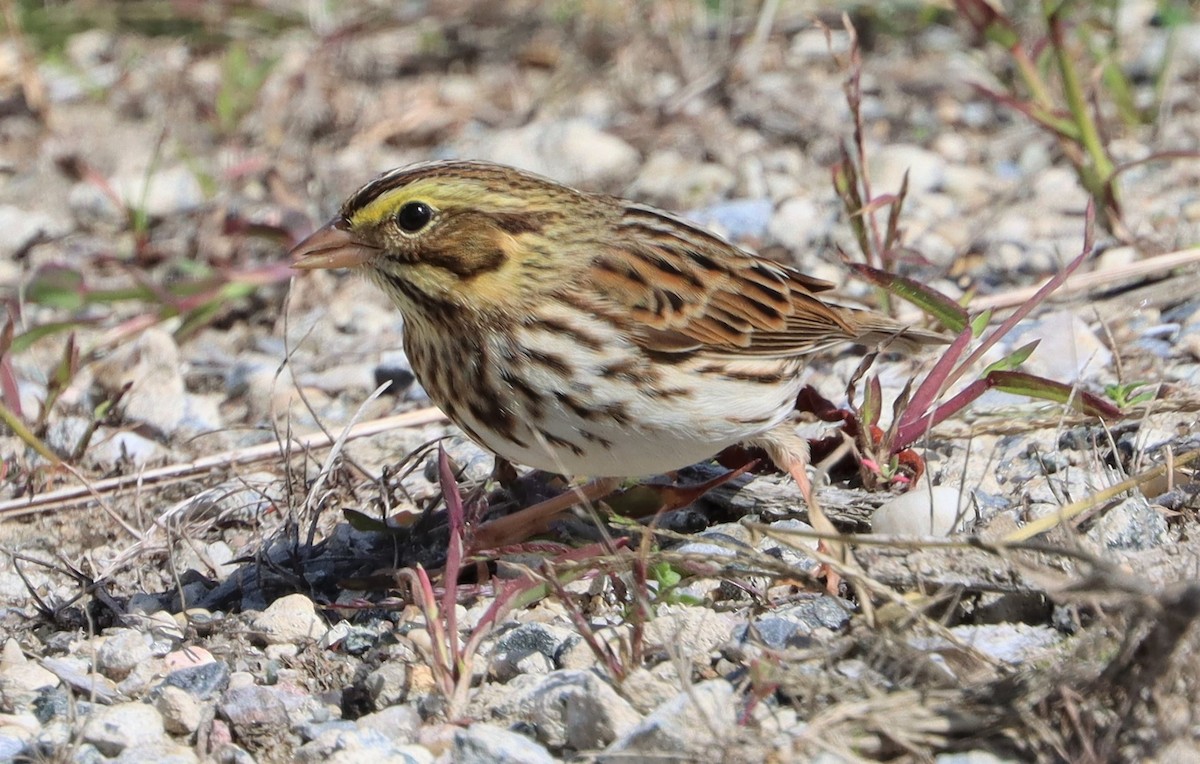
(414,216)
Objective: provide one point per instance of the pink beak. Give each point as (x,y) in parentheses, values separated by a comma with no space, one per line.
(331,246)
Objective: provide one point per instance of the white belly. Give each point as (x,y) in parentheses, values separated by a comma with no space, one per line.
(593,423)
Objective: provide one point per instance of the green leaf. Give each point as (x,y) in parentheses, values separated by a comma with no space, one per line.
(57,286)
(980,322)
(1020,383)
(947,312)
(1014,359)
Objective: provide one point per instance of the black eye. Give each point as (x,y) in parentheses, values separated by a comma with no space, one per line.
(414,216)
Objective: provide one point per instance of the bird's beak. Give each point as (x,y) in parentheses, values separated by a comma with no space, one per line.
(331,246)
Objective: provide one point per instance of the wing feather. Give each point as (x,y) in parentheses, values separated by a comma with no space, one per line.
(688,291)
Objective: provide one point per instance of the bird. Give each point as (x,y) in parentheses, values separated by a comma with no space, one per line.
(585,334)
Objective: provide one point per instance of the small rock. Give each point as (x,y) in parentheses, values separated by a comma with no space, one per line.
(293,618)
(693,724)
(736,219)
(488,744)
(152,367)
(692,631)
(669,180)
(1068,349)
(163,752)
(570,151)
(516,646)
(254,711)
(1133,525)
(926,170)
(128,725)
(168,192)
(568,707)
(1013,643)
(21,680)
(180,711)
(121,653)
(388,685)
(399,723)
(922,511)
(200,674)
(788,627)
(24,228)
(798,224)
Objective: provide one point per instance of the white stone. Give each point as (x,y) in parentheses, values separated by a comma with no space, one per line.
(293,618)
(923,511)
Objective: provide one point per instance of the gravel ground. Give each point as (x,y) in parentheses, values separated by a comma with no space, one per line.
(190,590)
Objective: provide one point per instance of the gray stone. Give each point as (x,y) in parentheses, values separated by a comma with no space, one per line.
(24,228)
(165,193)
(568,707)
(254,711)
(181,712)
(926,170)
(164,752)
(122,652)
(798,224)
(923,510)
(399,723)
(514,648)
(201,682)
(114,729)
(488,744)
(692,724)
(388,685)
(1133,525)
(736,219)
(571,151)
(293,619)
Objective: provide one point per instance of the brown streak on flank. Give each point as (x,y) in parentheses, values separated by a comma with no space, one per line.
(767,378)
(592,437)
(758,421)
(580,410)
(549,360)
(617,412)
(497,420)
(558,442)
(667,393)
(625,369)
(559,326)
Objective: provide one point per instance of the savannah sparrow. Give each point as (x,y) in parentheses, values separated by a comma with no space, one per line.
(585,334)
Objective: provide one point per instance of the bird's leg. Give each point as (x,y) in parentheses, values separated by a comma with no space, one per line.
(518,526)
(789,452)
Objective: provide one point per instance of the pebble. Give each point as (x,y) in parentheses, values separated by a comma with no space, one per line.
(24,228)
(126,725)
(167,192)
(388,685)
(568,707)
(692,724)
(1132,525)
(152,368)
(488,744)
(571,151)
(399,723)
(798,224)
(926,169)
(1068,349)
(122,652)
(670,181)
(529,648)
(289,619)
(181,712)
(254,711)
(922,511)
